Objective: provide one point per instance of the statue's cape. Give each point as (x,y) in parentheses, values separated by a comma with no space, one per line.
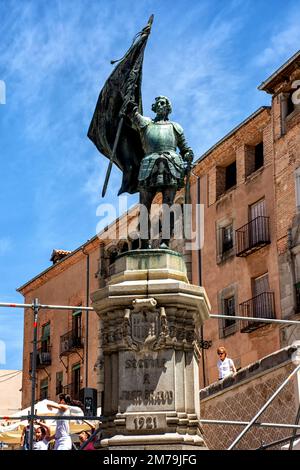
(124,83)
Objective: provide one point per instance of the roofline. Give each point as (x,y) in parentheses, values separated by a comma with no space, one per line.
(230,134)
(80,248)
(265,83)
(56,264)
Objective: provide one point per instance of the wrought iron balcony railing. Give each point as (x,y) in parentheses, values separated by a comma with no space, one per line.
(261,306)
(252,236)
(43,358)
(69,342)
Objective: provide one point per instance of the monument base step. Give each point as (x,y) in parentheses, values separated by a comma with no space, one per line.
(167,441)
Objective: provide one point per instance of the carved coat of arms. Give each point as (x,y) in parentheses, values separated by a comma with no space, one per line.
(145,328)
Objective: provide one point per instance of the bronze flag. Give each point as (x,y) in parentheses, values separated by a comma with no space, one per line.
(110,130)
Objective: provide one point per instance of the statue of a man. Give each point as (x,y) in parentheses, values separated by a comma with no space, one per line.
(162,169)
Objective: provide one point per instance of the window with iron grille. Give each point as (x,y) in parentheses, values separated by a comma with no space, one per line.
(44,389)
(227,238)
(45,340)
(227,306)
(229,309)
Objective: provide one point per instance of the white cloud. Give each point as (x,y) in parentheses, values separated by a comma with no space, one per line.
(284,41)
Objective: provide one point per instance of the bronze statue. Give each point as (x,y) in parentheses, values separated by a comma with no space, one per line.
(161,169)
(144,149)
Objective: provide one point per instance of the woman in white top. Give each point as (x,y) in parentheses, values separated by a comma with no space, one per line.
(42,437)
(62,436)
(225,365)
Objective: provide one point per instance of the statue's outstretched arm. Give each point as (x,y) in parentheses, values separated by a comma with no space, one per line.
(138,121)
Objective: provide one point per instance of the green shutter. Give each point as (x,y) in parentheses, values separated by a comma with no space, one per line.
(46,331)
(76,313)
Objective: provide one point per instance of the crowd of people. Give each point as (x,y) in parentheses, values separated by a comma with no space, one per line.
(62,438)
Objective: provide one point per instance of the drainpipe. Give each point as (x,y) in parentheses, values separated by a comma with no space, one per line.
(200,280)
(87,315)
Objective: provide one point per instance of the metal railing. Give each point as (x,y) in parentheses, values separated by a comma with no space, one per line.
(70,341)
(43,358)
(252,236)
(260,306)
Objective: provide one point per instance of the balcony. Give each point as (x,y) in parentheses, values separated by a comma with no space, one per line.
(73,390)
(252,236)
(261,306)
(69,342)
(43,358)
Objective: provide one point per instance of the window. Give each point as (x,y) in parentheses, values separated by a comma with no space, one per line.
(229,309)
(43,389)
(254,158)
(261,285)
(45,340)
(262,297)
(76,324)
(59,382)
(225,240)
(225,178)
(258,156)
(230,176)
(75,381)
(290,107)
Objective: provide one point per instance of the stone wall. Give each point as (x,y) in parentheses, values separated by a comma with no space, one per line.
(239,398)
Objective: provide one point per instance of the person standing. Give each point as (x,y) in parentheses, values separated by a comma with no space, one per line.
(62,436)
(225,365)
(25,437)
(42,437)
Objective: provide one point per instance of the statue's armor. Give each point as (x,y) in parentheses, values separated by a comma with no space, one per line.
(161,166)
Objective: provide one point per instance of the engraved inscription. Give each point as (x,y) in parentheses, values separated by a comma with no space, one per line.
(148,397)
(145,423)
(147,363)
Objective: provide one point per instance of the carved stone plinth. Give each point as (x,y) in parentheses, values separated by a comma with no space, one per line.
(150,317)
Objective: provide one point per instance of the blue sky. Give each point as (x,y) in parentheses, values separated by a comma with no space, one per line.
(207,56)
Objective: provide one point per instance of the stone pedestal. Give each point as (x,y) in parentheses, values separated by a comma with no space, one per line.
(150,318)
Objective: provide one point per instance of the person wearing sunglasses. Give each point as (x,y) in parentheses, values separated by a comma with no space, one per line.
(225,365)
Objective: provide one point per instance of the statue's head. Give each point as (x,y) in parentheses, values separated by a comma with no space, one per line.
(162,106)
